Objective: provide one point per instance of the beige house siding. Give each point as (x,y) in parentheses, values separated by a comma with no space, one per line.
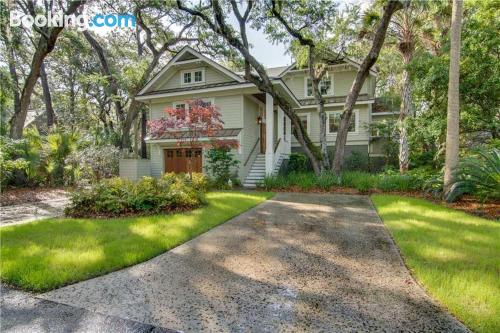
(361,136)
(250,133)
(134,169)
(211,76)
(230,108)
(342,81)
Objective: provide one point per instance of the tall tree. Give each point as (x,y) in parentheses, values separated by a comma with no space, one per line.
(404,27)
(47,97)
(311,24)
(153,40)
(452,124)
(364,69)
(46,42)
(261,80)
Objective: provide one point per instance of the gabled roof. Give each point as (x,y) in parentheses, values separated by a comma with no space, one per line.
(345,59)
(185,55)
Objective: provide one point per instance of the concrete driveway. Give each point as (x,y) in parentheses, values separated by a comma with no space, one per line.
(298,262)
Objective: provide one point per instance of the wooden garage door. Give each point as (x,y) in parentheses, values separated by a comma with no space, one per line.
(183,160)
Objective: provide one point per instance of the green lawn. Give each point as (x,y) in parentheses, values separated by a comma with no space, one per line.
(455,256)
(48,254)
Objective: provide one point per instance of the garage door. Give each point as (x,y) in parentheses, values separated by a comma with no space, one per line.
(183,160)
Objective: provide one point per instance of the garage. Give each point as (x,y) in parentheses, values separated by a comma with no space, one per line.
(183,160)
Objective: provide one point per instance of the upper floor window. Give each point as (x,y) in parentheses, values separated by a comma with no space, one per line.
(325,86)
(334,121)
(193,76)
(187,107)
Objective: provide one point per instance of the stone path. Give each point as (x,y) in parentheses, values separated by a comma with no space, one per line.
(28,212)
(296,263)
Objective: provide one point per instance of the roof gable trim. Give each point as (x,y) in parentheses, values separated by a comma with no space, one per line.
(200,57)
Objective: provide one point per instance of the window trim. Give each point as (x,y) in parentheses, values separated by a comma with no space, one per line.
(193,71)
(208,99)
(308,115)
(332,86)
(356,121)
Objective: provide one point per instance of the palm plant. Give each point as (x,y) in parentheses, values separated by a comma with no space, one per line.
(478,174)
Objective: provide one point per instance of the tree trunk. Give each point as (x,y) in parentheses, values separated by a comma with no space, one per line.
(363,72)
(111,88)
(263,83)
(11,59)
(404,112)
(47,98)
(452,123)
(144,122)
(323,145)
(45,45)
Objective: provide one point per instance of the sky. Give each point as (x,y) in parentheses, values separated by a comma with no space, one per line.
(272,55)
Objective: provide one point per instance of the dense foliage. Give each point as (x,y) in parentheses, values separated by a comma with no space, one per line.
(478,174)
(116,196)
(58,158)
(362,181)
(221,165)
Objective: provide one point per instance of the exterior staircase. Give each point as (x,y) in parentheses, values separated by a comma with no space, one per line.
(257,172)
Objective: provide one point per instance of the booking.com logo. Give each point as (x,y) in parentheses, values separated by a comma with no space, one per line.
(80,22)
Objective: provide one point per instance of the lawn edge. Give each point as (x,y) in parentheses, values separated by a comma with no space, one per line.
(42,291)
(402,258)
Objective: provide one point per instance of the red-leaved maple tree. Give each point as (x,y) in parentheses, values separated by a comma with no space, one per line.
(189,123)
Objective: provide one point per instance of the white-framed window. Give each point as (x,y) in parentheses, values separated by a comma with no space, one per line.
(325,86)
(184,105)
(193,76)
(333,123)
(305,119)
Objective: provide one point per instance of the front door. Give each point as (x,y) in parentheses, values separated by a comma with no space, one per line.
(182,160)
(262,138)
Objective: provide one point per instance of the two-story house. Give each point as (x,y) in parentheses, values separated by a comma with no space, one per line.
(250,116)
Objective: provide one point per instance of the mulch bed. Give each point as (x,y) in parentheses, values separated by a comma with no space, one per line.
(14,196)
(489,210)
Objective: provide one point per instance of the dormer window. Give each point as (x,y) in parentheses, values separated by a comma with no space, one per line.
(325,86)
(193,76)
(198,76)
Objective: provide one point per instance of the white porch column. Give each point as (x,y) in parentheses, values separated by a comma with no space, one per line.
(269,135)
(288,135)
(280,123)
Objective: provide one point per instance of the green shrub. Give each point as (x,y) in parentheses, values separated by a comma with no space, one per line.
(326,180)
(297,163)
(479,175)
(116,196)
(278,182)
(362,181)
(363,185)
(388,183)
(356,161)
(358,180)
(304,181)
(220,165)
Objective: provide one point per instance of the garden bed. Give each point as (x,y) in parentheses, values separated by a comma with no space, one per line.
(468,204)
(355,182)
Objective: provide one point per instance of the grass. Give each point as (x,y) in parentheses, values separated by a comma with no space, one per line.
(44,255)
(455,256)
